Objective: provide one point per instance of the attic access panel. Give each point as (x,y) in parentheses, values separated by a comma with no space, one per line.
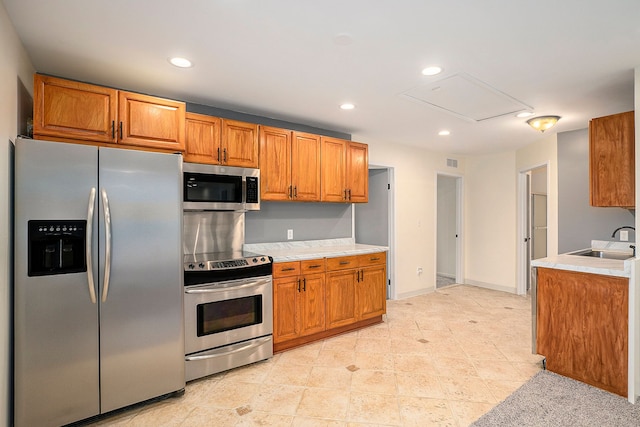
(465,97)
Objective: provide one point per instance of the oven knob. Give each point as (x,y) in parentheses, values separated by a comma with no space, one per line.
(201,265)
(191,266)
(255,260)
(262,259)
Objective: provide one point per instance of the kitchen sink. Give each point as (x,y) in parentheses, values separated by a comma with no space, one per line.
(603,254)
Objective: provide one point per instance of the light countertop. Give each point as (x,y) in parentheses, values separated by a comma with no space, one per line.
(586,264)
(312,249)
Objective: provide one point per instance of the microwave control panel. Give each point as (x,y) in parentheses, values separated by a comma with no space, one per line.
(252,189)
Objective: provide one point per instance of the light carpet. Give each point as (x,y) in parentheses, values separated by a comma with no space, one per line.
(548,399)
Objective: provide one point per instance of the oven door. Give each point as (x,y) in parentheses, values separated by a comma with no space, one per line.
(222,313)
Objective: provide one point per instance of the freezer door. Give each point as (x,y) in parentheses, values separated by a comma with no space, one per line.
(141,309)
(55,321)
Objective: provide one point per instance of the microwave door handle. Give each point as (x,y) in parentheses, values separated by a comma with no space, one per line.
(107,231)
(88,244)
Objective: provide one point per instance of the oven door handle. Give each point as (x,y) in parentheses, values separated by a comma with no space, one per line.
(222,352)
(216,288)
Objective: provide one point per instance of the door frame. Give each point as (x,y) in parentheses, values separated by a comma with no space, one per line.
(391,203)
(522,272)
(459,227)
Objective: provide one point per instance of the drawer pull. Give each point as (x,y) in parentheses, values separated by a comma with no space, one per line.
(288,269)
(375,259)
(345,262)
(315,266)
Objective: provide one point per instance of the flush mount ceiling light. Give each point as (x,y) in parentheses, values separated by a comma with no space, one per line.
(444,133)
(432,71)
(543,123)
(180,62)
(347,106)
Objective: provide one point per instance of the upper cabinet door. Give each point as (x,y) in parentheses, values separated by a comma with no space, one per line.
(305,167)
(358,172)
(612,160)
(74,110)
(239,144)
(147,121)
(275,164)
(334,164)
(202,139)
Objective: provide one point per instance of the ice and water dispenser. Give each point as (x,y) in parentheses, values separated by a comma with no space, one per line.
(57,247)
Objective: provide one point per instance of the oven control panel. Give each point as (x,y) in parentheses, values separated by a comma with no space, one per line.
(204,265)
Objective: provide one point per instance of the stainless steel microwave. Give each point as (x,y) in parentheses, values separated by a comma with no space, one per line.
(220,188)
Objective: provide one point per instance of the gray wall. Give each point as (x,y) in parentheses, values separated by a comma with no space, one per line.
(372,218)
(578,221)
(309,221)
(447,225)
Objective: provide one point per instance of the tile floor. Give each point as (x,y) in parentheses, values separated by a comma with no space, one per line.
(441,359)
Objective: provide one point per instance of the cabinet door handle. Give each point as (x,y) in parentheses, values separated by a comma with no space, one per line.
(345,194)
(290,192)
(224,155)
(295,191)
(121,133)
(304,285)
(113,129)
(349,194)
(298,285)
(218,154)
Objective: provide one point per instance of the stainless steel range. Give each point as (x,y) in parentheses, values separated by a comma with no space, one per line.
(228,298)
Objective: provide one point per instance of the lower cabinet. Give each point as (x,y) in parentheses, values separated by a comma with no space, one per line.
(582,327)
(319,298)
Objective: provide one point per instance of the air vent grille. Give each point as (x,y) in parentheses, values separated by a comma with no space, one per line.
(452,163)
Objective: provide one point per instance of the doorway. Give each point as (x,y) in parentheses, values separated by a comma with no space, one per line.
(448,230)
(532,195)
(374,221)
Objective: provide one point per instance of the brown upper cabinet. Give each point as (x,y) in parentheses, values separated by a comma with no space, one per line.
(289,165)
(612,160)
(75,111)
(345,175)
(220,141)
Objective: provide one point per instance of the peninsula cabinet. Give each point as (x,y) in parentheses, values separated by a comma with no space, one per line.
(612,160)
(345,174)
(72,111)
(298,290)
(582,326)
(289,165)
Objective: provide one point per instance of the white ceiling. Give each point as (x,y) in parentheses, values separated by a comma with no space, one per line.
(297,60)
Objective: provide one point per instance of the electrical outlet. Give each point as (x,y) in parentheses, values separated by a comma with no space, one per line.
(624,235)
(419,271)
(289,234)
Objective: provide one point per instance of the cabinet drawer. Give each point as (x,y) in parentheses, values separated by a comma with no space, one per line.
(312,266)
(342,263)
(285,269)
(372,259)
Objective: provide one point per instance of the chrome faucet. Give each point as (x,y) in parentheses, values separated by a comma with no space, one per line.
(622,228)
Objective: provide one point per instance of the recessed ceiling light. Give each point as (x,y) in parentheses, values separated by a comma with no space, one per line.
(444,133)
(347,106)
(523,114)
(432,71)
(181,62)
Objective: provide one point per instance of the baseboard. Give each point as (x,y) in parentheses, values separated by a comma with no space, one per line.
(490,286)
(416,293)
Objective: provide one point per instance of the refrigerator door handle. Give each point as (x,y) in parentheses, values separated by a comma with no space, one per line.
(88,243)
(107,256)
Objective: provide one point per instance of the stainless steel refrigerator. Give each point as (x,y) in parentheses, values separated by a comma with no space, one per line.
(98,290)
